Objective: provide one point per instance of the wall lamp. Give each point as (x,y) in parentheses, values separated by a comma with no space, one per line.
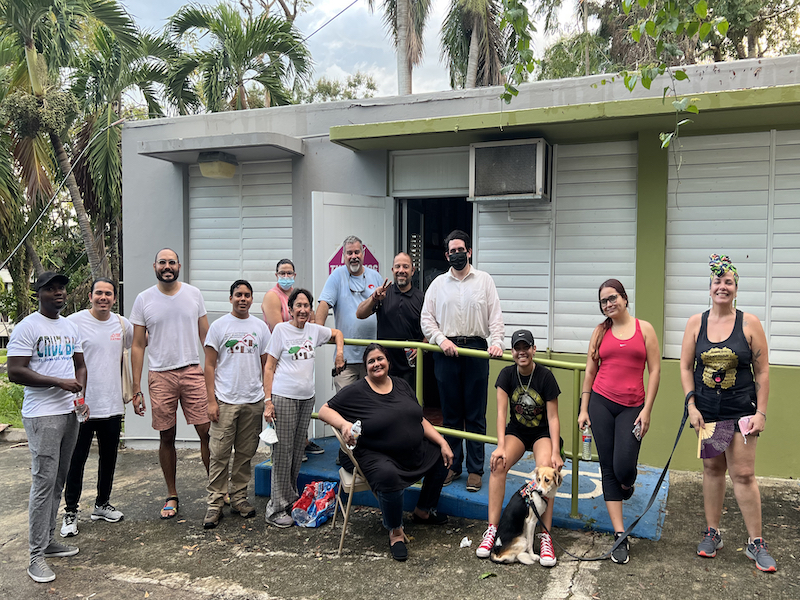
(217,165)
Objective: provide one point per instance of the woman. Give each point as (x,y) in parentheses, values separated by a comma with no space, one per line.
(725,375)
(289,391)
(613,400)
(532,393)
(275,308)
(397,445)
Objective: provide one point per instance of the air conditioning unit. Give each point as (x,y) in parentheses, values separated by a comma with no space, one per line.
(510,170)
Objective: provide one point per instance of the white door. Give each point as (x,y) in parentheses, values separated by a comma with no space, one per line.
(333,218)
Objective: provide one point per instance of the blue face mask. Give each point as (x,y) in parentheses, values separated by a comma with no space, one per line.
(286,283)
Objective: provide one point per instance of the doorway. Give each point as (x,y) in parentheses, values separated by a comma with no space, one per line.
(425,223)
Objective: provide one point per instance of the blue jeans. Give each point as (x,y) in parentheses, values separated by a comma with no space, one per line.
(391,503)
(462,390)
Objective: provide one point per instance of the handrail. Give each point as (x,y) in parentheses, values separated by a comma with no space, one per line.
(576,369)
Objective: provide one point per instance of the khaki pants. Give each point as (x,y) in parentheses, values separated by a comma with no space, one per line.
(351,374)
(238,428)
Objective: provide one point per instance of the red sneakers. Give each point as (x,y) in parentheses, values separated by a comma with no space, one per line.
(487,544)
(547,557)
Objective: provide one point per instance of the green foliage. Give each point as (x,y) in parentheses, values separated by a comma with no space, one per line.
(359,85)
(10,305)
(11,396)
(30,116)
(515,19)
(566,58)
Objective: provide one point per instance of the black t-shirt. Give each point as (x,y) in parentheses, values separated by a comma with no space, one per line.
(527,401)
(398,319)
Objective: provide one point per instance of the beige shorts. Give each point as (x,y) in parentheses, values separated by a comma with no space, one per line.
(186,384)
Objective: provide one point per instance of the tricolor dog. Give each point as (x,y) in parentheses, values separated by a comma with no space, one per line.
(515,532)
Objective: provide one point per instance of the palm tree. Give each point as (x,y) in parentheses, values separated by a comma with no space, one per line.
(52,27)
(264,49)
(473,45)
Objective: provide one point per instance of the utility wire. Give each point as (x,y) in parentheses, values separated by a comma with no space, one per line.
(305,39)
(58,189)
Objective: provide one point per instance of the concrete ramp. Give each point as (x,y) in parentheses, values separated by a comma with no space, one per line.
(456,501)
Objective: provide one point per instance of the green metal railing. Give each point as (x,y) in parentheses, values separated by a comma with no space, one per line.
(576,369)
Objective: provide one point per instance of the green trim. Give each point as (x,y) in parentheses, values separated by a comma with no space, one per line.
(651,230)
(617,119)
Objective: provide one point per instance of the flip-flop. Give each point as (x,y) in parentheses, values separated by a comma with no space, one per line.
(173,509)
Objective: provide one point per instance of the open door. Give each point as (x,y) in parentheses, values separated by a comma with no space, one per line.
(334,217)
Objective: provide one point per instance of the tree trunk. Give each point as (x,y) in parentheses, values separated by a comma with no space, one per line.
(97,261)
(38,267)
(586,36)
(474,50)
(403,59)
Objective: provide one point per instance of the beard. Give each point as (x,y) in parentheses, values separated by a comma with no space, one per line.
(354,267)
(175,273)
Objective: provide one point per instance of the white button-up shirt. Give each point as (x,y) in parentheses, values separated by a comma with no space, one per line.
(468,307)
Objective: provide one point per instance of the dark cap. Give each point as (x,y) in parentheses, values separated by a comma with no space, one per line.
(522,335)
(49,277)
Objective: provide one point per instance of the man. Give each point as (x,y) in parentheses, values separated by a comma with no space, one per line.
(398,309)
(236,352)
(104,335)
(45,355)
(345,289)
(462,309)
(169,318)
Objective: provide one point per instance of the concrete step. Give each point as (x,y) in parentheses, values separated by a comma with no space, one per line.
(456,501)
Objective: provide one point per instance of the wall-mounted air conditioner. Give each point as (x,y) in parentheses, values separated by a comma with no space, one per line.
(510,170)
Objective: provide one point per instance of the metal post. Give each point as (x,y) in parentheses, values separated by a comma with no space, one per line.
(576,440)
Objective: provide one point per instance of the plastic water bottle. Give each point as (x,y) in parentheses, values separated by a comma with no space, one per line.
(356,432)
(586,453)
(81,409)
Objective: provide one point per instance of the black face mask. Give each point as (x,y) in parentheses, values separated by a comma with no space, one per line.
(458,260)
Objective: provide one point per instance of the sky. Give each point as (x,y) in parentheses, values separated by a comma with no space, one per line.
(356,40)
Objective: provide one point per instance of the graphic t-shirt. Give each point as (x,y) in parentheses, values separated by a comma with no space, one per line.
(527,400)
(294,349)
(102,351)
(239,343)
(171,323)
(344,292)
(51,345)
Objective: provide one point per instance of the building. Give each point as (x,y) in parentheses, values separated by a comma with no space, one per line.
(396,172)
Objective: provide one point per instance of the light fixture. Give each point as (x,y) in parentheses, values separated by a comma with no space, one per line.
(217,165)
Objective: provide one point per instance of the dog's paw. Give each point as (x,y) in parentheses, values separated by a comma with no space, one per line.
(528,559)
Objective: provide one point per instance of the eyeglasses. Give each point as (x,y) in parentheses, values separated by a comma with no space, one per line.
(359,282)
(456,251)
(171,263)
(285,273)
(610,300)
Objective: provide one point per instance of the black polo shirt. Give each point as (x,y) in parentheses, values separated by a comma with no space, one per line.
(398,319)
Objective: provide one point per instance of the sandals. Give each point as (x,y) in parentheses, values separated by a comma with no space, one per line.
(173,510)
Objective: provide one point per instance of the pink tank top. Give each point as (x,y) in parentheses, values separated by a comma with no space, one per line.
(284,302)
(620,377)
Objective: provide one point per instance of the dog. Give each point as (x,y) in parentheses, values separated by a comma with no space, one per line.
(514,541)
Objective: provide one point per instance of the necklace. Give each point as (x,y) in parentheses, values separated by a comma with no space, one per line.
(524,387)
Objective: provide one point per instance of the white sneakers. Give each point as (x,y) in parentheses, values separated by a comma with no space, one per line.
(69,527)
(106,512)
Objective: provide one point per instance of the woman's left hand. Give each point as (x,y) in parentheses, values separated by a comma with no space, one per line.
(644,419)
(757,424)
(339,363)
(557,461)
(447,455)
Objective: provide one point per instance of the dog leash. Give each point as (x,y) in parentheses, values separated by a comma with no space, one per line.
(635,522)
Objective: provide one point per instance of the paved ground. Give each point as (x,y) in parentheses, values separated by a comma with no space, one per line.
(144,557)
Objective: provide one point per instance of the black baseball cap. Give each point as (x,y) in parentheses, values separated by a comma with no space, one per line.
(522,335)
(49,277)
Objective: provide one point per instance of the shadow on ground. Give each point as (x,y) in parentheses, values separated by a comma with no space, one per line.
(144,557)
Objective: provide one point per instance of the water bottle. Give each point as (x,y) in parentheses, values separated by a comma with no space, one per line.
(81,409)
(586,453)
(411,357)
(356,432)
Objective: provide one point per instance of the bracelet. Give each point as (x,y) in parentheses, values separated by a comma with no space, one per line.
(688,404)
(762,414)
(689,395)
(582,393)
(136,395)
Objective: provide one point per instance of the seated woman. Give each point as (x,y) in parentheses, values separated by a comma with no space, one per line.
(532,393)
(397,445)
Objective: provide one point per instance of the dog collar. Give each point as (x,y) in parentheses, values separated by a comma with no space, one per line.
(531,487)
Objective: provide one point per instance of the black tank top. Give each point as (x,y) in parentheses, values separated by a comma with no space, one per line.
(723,375)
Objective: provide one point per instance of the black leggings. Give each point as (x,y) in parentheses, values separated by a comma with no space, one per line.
(108,431)
(617,447)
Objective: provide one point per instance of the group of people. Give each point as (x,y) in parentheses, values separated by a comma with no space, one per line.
(256,367)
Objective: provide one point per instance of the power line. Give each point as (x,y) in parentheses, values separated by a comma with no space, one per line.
(305,39)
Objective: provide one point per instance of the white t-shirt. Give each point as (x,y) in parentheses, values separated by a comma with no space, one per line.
(51,344)
(240,344)
(294,349)
(102,351)
(171,323)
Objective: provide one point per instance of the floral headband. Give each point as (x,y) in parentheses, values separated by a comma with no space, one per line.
(721,265)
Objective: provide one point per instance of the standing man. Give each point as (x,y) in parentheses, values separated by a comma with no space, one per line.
(169,318)
(462,309)
(104,335)
(398,308)
(45,355)
(346,288)
(236,352)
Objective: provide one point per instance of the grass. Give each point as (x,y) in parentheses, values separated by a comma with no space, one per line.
(10,402)
(3,357)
